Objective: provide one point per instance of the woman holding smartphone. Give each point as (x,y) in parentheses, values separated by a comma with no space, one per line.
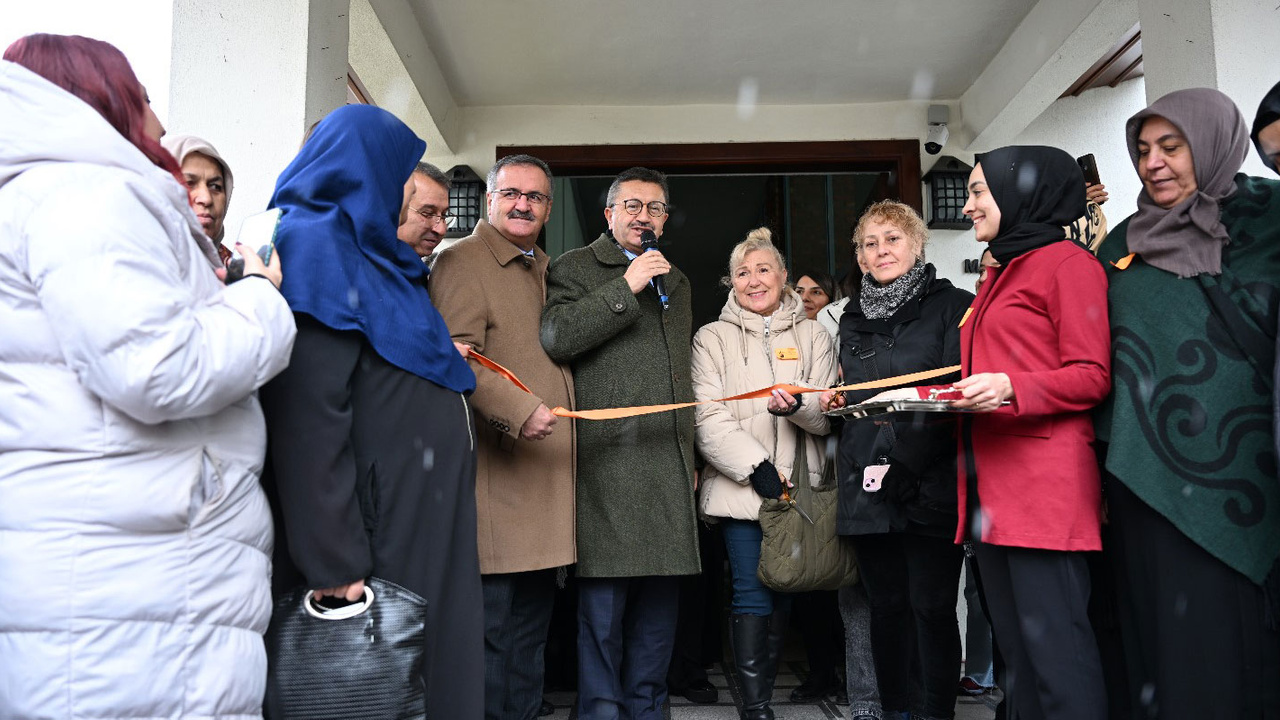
(135,540)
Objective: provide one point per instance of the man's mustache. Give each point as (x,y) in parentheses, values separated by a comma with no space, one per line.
(521,215)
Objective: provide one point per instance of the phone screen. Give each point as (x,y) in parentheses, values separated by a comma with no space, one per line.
(258,231)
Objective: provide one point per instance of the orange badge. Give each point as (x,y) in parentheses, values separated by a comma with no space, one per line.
(787,354)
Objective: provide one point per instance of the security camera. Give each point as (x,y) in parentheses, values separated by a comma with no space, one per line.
(939,116)
(936,139)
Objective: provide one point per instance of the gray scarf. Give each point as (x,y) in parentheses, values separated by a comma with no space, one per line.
(1187,238)
(881,301)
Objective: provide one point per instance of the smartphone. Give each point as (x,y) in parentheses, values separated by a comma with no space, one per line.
(258,232)
(1089,166)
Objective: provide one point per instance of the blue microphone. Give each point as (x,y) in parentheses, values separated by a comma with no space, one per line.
(649,241)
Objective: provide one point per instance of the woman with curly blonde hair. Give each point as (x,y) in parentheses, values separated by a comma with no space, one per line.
(904,319)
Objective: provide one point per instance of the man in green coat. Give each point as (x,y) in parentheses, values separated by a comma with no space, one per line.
(637,527)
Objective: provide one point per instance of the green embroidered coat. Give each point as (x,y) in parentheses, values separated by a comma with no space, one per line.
(1189,420)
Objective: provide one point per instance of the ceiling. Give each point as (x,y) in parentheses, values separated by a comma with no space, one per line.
(673,52)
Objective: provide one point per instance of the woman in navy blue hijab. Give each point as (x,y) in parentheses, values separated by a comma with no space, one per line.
(344,195)
(371,460)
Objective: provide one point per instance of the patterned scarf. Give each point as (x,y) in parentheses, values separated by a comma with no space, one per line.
(881,301)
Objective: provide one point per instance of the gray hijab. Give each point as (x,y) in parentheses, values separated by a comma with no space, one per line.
(1187,239)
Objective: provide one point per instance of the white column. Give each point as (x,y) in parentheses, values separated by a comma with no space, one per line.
(1231,45)
(251,77)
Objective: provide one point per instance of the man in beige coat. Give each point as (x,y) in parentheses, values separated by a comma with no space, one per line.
(490,288)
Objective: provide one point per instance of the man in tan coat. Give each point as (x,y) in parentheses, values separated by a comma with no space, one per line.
(490,288)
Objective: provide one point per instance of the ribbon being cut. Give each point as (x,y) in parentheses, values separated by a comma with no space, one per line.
(616,413)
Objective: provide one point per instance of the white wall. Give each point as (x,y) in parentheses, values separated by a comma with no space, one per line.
(142,33)
(1053,45)
(1094,123)
(250,77)
(1090,123)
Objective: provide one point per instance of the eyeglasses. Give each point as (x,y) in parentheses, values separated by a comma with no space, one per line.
(433,218)
(657,208)
(513,195)
(872,247)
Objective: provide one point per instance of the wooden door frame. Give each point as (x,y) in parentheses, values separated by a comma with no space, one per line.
(901,158)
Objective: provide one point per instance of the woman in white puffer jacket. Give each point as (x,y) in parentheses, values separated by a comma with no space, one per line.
(762,338)
(134,537)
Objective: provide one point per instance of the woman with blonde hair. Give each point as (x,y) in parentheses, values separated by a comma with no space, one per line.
(905,319)
(762,338)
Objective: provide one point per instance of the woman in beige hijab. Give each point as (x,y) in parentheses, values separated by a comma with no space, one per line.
(208,182)
(1190,465)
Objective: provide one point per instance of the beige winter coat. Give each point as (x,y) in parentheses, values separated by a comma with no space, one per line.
(736,354)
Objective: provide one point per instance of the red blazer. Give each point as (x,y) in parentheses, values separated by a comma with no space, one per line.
(1043,321)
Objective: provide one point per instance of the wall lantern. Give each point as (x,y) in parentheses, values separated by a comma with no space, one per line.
(948,189)
(464,201)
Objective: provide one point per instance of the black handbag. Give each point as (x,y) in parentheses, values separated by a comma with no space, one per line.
(358,662)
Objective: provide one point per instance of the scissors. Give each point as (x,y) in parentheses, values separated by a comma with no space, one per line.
(786,498)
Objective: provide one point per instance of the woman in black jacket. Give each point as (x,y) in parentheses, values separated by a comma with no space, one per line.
(371,452)
(904,320)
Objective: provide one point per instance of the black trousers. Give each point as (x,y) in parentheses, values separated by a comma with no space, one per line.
(355,493)
(912,582)
(997,660)
(816,614)
(1038,601)
(517,615)
(702,609)
(1193,629)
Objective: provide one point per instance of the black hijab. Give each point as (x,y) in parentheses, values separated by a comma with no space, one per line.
(1039,191)
(1268,112)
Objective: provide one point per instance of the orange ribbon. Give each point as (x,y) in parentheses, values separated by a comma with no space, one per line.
(486,362)
(616,413)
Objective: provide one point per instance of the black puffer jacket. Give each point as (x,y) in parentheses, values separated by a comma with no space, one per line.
(918,494)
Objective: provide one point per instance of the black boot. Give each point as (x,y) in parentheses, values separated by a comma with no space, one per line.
(751,654)
(816,687)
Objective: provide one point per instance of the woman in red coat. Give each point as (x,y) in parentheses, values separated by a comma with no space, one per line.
(1035,355)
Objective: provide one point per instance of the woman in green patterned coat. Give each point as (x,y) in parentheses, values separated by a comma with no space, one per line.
(1191,468)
